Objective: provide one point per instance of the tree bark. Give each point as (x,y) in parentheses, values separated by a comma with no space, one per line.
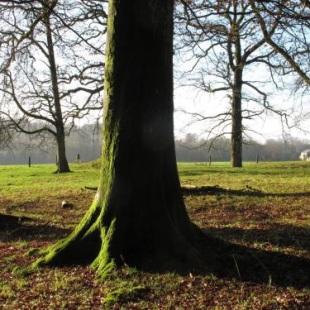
(236,132)
(138,216)
(62,162)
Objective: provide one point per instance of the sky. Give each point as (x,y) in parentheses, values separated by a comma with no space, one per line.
(267,126)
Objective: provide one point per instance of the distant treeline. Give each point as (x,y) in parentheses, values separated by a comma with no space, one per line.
(191,148)
(86,141)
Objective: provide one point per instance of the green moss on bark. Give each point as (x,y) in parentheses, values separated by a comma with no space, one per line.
(103,263)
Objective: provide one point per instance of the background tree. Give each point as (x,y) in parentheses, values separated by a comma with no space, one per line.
(6,134)
(138,216)
(224,44)
(52,66)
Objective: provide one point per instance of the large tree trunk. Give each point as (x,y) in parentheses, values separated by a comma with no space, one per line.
(138,216)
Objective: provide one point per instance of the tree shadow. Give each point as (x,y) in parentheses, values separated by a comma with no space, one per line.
(278,235)
(229,260)
(14,228)
(248,191)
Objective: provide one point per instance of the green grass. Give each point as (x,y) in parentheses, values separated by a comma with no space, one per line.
(263,207)
(29,183)
(273,177)
(38,181)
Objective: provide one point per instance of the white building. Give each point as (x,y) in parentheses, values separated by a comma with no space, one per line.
(305,155)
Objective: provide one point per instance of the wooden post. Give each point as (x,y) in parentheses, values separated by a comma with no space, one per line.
(210,160)
(29,161)
(257,158)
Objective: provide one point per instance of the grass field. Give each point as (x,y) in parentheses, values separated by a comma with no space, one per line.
(259,213)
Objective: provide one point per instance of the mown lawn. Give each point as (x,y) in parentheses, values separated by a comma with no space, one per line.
(257,216)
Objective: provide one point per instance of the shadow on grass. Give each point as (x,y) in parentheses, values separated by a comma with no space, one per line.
(230,260)
(227,259)
(278,235)
(248,191)
(14,228)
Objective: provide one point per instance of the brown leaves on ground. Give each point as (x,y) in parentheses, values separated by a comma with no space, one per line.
(261,261)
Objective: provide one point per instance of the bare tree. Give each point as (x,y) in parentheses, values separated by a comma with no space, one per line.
(231,53)
(52,65)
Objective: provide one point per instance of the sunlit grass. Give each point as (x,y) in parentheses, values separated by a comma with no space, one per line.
(269,177)
(23,183)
